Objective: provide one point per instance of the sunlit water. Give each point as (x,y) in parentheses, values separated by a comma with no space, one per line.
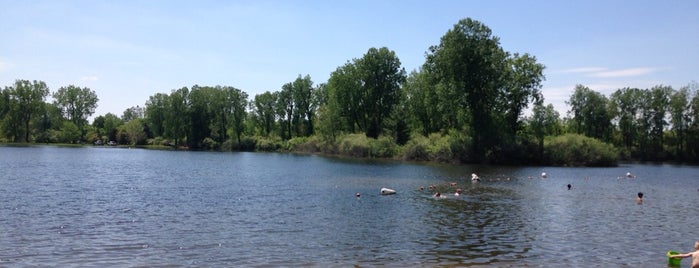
(130,207)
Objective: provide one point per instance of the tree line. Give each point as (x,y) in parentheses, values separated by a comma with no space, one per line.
(466,103)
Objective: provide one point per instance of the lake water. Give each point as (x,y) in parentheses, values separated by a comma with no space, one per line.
(132,207)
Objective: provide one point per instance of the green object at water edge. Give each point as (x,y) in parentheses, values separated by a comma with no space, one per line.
(674,262)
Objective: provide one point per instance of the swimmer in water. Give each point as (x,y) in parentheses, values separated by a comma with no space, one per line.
(570,186)
(639,199)
(694,254)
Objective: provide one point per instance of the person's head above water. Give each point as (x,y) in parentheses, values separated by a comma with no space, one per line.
(640,195)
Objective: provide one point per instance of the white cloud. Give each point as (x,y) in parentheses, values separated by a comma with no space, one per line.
(601,72)
(585,70)
(623,72)
(89,78)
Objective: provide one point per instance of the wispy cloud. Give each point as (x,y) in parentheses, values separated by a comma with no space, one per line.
(585,70)
(601,72)
(89,78)
(623,72)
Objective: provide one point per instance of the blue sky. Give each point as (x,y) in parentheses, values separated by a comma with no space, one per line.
(128,50)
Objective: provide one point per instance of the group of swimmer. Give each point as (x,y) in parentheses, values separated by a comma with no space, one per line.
(476,179)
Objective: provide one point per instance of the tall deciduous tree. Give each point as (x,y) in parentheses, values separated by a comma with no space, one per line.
(263,107)
(381,77)
(469,58)
(155,112)
(76,104)
(625,107)
(26,99)
(107,126)
(590,113)
(363,93)
(176,123)
(544,121)
(237,100)
(133,112)
(345,103)
(522,86)
(302,95)
(655,112)
(680,118)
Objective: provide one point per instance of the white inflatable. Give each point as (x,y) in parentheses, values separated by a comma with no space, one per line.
(386,191)
(475,178)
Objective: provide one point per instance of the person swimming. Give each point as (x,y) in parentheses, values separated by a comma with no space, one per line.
(570,186)
(639,199)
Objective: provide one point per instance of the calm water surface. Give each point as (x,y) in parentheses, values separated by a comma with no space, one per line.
(131,207)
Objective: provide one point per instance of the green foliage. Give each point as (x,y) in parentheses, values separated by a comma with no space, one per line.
(242,144)
(465,104)
(134,132)
(268,144)
(437,147)
(69,133)
(354,145)
(417,149)
(578,150)
(76,104)
(591,115)
(363,93)
(383,147)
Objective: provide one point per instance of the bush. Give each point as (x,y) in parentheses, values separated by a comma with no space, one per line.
(210,144)
(268,144)
(354,145)
(436,147)
(578,150)
(440,148)
(417,149)
(382,147)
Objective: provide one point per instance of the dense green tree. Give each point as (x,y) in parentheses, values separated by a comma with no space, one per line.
(285,110)
(423,103)
(680,119)
(544,122)
(263,110)
(177,123)
(107,126)
(76,104)
(302,95)
(134,131)
(363,93)
(237,100)
(49,124)
(155,112)
(199,115)
(693,132)
(133,112)
(469,58)
(381,77)
(625,107)
(25,102)
(345,102)
(655,114)
(220,113)
(590,113)
(69,133)
(522,86)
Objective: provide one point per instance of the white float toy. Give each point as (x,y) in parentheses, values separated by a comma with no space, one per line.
(386,191)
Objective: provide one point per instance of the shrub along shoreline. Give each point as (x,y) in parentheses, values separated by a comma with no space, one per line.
(564,150)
